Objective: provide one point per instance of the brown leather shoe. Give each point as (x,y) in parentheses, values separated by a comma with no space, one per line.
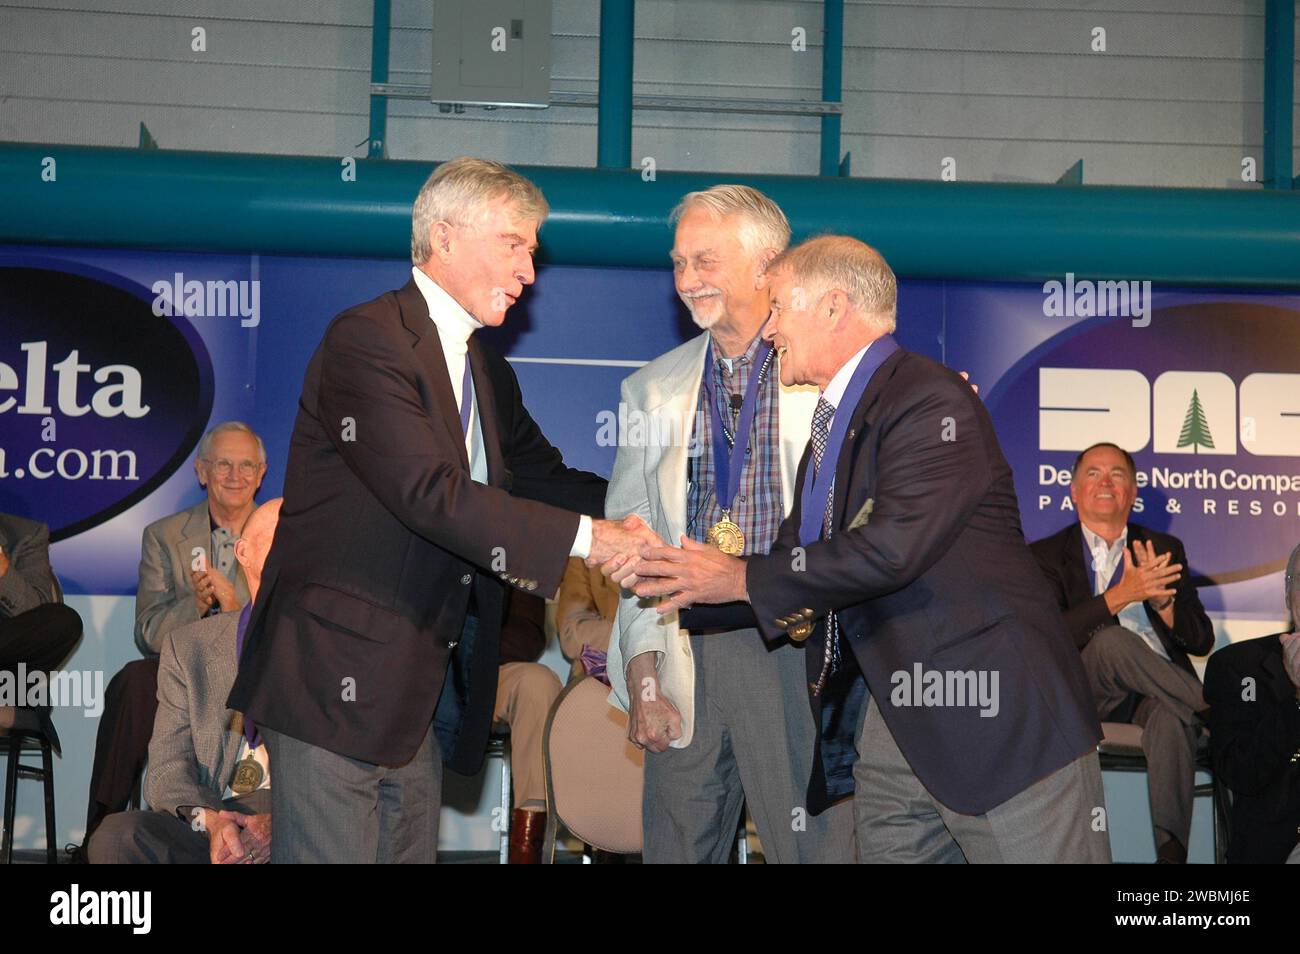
(527,830)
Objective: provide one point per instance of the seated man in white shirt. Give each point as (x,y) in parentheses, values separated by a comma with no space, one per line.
(209,782)
(1130,605)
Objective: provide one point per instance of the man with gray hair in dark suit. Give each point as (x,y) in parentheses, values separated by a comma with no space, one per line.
(209,778)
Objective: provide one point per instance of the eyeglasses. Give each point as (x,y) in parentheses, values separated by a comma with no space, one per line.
(223,467)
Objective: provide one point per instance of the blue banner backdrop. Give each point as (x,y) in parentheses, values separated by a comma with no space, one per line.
(113,363)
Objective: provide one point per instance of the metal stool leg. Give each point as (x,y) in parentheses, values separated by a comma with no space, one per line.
(742,836)
(504,855)
(11,799)
(47,772)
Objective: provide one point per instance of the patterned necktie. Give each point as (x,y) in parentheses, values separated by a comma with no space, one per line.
(821,424)
(820,435)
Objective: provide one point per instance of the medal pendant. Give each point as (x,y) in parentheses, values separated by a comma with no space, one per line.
(248,776)
(726,536)
(799,631)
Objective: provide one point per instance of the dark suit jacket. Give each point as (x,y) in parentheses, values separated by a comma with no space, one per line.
(1256,748)
(938,577)
(384,544)
(1061,559)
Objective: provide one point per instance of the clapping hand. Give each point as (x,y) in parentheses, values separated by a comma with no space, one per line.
(1146,577)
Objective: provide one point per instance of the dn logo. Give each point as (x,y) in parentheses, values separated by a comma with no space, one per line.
(1186,412)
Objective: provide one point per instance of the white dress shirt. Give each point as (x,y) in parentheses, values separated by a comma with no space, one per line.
(455,325)
(834,392)
(1104,560)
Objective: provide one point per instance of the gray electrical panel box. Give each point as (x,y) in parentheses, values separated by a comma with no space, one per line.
(492,52)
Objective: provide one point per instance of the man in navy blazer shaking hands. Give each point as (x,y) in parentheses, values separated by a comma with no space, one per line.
(950,701)
(418,488)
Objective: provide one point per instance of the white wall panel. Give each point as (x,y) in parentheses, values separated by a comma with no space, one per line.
(1009,88)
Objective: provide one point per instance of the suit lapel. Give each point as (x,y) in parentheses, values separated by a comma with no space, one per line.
(1272,664)
(196,534)
(859,428)
(487,414)
(682,387)
(220,665)
(428,352)
(1078,587)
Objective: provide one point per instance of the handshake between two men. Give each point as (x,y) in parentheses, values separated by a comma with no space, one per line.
(635,557)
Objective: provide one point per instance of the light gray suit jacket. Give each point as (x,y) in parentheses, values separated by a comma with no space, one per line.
(165,597)
(195,747)
(649,479)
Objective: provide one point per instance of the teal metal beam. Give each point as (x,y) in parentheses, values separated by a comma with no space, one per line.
(379,35)
(614,109)
(1279,92)
(926,228)
(832,83)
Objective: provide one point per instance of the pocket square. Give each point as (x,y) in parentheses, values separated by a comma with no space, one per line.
(863,515)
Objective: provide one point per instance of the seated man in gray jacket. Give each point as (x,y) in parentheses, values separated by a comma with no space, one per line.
(209,782)
(188,572)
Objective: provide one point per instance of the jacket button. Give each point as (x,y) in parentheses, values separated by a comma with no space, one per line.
(452,644)
(464,580)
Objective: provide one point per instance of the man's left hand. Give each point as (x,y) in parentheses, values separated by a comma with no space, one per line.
(697,573)
(255,835)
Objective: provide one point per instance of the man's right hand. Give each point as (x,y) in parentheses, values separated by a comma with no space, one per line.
(1144,581)
(653,722)
(619,538)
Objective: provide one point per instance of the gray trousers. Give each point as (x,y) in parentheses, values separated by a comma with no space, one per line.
(753,744)
(161,838)
(331,809)
(1056,820)
(1119,663)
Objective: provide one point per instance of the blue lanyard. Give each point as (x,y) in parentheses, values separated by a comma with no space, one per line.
(817,492)
(728,478)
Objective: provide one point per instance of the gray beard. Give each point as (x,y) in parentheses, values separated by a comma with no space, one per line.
(704,324)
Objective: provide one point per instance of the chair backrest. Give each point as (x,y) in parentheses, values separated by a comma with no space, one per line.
(594,775)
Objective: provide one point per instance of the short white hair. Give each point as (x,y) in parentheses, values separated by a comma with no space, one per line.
(840,262)
(763,224)
(228,427)
(459,191)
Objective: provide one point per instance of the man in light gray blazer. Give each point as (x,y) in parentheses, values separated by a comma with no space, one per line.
(723,713)
(208,785)
(187,569)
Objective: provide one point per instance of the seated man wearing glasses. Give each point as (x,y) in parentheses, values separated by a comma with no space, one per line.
(188,572)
